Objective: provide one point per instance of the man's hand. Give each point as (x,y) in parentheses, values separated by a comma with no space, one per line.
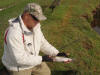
(47,58)
(62,54)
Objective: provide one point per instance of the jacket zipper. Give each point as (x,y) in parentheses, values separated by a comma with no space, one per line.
(34,43)
(18,68)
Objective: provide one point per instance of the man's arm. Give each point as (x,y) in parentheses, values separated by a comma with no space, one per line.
(16,48)
(47,48)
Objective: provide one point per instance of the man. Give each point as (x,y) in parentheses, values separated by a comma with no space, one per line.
(23,42)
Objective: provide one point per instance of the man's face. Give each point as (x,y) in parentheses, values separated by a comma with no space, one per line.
(30,21)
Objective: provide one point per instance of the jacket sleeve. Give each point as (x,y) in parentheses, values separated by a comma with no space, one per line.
(16,49)
(47,48)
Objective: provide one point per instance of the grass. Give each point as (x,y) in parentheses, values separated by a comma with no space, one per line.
(62,27)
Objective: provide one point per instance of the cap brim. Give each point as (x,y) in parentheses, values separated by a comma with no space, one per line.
(41,18)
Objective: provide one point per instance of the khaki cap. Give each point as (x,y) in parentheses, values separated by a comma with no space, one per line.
(35,10)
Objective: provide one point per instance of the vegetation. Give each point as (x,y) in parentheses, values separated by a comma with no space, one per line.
(68,28)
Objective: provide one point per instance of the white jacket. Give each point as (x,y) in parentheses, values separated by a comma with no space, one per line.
(18,55)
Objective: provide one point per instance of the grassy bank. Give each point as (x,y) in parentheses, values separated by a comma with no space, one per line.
(68,29)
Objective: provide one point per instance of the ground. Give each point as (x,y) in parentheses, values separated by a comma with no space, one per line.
(68,28)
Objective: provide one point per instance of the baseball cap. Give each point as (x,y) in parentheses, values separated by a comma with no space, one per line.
(35,10)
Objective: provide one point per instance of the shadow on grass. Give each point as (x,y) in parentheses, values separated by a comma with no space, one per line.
(69,72)
(3,71)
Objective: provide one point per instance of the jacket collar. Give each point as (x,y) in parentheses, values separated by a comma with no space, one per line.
(25,29)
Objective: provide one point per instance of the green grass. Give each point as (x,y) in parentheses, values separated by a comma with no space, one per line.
(7,3)
(62,27)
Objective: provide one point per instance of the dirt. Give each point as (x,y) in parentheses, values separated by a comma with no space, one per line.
(96,17)
(95,24)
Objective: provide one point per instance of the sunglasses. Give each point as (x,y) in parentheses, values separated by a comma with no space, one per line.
(33,17)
